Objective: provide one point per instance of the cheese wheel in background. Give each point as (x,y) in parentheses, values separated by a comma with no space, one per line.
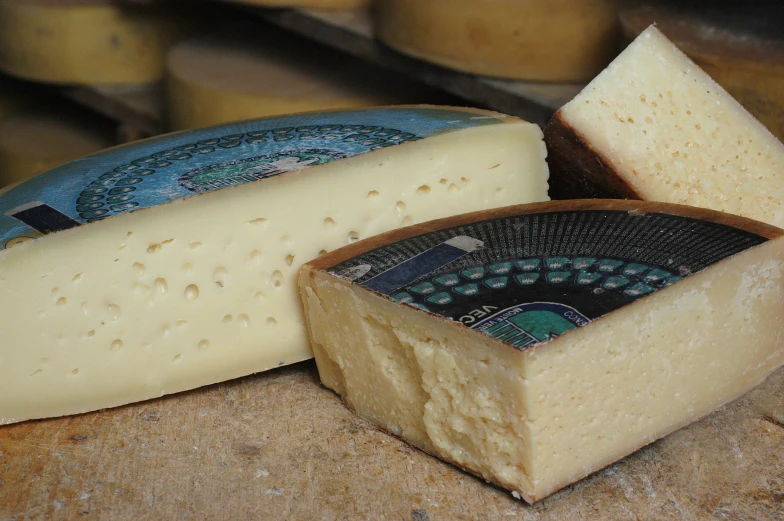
(742,49)
(549,40)
(654,126)
(82,42)
(35,140)
(316,4)
(244,72)
(149,278)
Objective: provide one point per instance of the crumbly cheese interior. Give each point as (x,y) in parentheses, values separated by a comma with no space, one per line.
(676,136)
(202,290)
(535,420)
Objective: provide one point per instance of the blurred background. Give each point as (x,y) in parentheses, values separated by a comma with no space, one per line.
(78,76)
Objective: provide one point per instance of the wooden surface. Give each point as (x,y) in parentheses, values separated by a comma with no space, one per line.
(279,446)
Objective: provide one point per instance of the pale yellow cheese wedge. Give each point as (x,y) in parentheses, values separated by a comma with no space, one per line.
(534,345)
(96,43)
(170,263)
(745,57)
(655,126)
(551,40)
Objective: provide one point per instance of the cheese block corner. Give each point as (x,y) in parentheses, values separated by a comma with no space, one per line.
(654,126)
(535,344)
(169,263)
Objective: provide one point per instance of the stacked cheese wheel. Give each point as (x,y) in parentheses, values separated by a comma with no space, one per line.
(744,55)
(551,40)
(240,73)
(33,140)
(85,41)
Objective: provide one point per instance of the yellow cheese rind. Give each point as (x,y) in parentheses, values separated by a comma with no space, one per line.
(561,40)
(100,44)
(202,289)
(749,64)
(33,141)
(535,420)
(240,74)
(655,126)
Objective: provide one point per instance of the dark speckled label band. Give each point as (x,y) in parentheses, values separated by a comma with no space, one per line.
(530,278)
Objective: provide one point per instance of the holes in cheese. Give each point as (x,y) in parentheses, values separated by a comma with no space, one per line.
(654,126)
(535,344)
(86,43)
(214,224)
(567,40)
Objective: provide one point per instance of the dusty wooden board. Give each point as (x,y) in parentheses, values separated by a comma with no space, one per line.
(279,446)
(350,31)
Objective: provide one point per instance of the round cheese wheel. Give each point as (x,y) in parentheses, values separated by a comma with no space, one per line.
(36,140)
(238,74)
(550,40)
(84,42)
(744,53)
(317,4)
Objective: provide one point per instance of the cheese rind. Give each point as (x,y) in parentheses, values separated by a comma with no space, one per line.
(656,127)
(191,280)
(239,74)
(561,345)
(561,40)
(744,58)
(83,43)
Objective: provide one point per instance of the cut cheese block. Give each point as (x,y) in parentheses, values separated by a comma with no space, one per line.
(35,140)
(561,40)
(317,4)
(241,74)
(170,263)
(85,42)
(654,126)
(536,344)
(743,54)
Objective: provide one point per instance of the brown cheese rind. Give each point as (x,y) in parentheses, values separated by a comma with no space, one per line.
(577,170)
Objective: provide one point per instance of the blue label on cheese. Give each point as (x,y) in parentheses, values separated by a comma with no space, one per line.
(530,278)
(160,170)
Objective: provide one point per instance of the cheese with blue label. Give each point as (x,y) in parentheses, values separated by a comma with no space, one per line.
(533,345)
(170,263)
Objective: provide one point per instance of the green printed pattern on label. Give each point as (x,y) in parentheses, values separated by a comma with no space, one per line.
(530,278)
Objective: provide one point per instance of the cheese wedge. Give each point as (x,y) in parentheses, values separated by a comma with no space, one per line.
(96,43)
(741,50)
(35,140)
(170,263)
(239,73)
(551,40)
(534,345)
(654,126)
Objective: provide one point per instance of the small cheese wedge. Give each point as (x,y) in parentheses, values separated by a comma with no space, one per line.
(550,40)
(744,56)
(536,344)
(239,73)
(35,140)
(654,126)
(170,263)
(96,43)
(315,4)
